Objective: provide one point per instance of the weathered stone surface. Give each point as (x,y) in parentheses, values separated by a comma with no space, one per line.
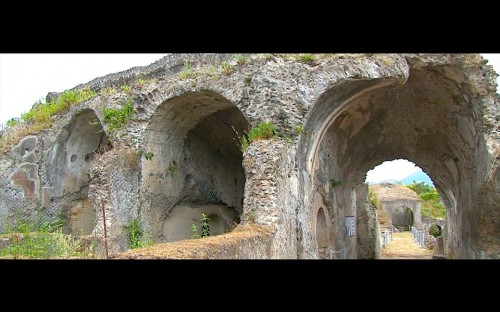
(335,119)
(400,204)
(51,96)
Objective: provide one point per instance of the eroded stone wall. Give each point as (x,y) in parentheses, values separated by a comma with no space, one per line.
(335,119)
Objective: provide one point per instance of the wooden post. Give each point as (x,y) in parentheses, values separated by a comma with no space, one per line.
(105,231)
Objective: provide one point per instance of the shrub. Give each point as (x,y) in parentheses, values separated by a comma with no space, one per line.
(116,118)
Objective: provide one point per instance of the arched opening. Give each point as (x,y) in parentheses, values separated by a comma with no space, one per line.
(197,162)
(179,223)
(427,119)
(435,230)
(321,230)
(402,218)
(79,143)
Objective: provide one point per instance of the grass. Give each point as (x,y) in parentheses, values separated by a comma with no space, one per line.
(107,91)
(226,68)
(403,247)
(307,58)
(187,70)
(45,242)
(40,115)
(137,236)
(141,82)
(125,89)
(263,131)
(299,130)
(241,59)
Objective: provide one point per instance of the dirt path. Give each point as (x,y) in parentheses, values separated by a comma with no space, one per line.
(403,247)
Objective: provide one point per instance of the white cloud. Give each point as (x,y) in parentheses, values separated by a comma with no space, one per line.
(391,170)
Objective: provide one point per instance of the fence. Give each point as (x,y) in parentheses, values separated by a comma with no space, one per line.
(387,235)
(330,253)
(418,236)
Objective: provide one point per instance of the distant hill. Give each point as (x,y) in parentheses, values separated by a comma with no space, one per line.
(418,176)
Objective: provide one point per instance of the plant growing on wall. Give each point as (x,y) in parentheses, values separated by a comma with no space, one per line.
(241,59)
(187,70)
(263,131)
(335,183)
(137,236)
(171,168)
(373,198)
(307,58)
(125,89)
(147,155)
(205,227)
(226,68)
(116,118)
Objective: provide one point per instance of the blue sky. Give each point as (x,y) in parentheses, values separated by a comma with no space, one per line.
(27,78)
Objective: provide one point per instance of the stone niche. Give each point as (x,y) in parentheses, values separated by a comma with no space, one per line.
(179,222)
(81,218)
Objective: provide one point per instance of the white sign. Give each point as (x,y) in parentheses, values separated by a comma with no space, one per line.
(350,225)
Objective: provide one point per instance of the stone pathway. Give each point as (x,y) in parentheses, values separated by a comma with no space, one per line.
(403,247)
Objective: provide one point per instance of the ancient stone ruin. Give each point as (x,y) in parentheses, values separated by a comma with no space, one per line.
(300,194)
(400,204)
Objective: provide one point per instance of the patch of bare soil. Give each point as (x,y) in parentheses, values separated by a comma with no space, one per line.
(388,192)
(403,247)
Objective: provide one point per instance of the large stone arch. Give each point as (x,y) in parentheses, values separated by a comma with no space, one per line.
(429,119)
(80,142)
(196,164)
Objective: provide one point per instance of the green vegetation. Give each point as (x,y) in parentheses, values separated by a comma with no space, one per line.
(241,59)
(299,130)
(307,58)
(226,68)
(40,115)
(125,89)
(187,70)
(435,230)
(263,131)
(107,91)
(205,227)
(147,155)
(140,83)
(137,236)
(12,122)
(431,204)
(334,183)
(373,198)
(41,242)
(41,112)
(172,168)
(116,118)
(247,81)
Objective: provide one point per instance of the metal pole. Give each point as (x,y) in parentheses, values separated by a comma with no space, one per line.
(105,232)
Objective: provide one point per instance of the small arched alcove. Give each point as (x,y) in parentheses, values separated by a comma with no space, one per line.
(321,229)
